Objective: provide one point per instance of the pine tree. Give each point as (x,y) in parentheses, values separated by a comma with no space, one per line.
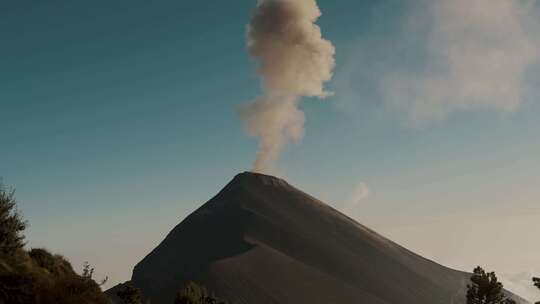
(486,289)
(11,224)
(536,282)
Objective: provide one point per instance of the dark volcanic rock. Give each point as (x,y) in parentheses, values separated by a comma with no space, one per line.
(261,241)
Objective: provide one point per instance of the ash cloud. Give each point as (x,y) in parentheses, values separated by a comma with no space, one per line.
(293,61)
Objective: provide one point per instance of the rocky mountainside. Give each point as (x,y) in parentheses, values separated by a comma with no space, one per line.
(260,240)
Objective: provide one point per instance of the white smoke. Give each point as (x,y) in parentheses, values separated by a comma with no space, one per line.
(359,194)
(479,52)
(521,284)
(293,61)
(441,57)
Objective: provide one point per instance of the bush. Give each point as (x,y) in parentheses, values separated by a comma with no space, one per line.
(195,294)
(55,264)
(130,295)
(37,276)
(43,278)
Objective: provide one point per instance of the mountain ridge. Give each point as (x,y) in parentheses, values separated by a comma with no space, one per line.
(261,240)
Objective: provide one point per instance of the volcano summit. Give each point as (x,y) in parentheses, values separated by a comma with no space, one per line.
(260,240)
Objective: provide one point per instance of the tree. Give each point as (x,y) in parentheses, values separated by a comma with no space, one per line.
(195,294)
(38,276)
(130,295)
(486,289)
(536,282)
(11,224)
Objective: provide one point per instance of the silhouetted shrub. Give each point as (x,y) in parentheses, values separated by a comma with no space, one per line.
(16,288)
(56,264)
(77,289)
(37,276)
(195,294)
(11,224)
(130,295)
(88,273)
(43,278)
(486,289)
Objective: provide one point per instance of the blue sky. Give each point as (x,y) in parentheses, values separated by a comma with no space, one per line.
(121,118)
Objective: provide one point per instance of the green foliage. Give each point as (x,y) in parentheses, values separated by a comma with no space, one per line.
(42,278)
(195,294)
(77,289)
(37,276)
(130,295)
(486,289)
(11,224)
(55,264)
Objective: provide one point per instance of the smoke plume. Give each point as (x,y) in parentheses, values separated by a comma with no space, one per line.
(293,61)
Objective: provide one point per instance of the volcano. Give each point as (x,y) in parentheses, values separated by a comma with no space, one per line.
(262,241)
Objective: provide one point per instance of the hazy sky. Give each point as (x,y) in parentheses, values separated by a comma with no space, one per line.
(120,118)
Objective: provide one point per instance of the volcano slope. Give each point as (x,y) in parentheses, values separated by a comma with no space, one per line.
(260,240)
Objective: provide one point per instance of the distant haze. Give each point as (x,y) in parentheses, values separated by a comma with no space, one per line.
(120,120)
(450,56)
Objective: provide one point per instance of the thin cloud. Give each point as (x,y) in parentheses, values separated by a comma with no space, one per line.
(521,284)
(446,57)
(359,194)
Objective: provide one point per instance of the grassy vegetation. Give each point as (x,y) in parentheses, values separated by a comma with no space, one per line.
(37,276)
